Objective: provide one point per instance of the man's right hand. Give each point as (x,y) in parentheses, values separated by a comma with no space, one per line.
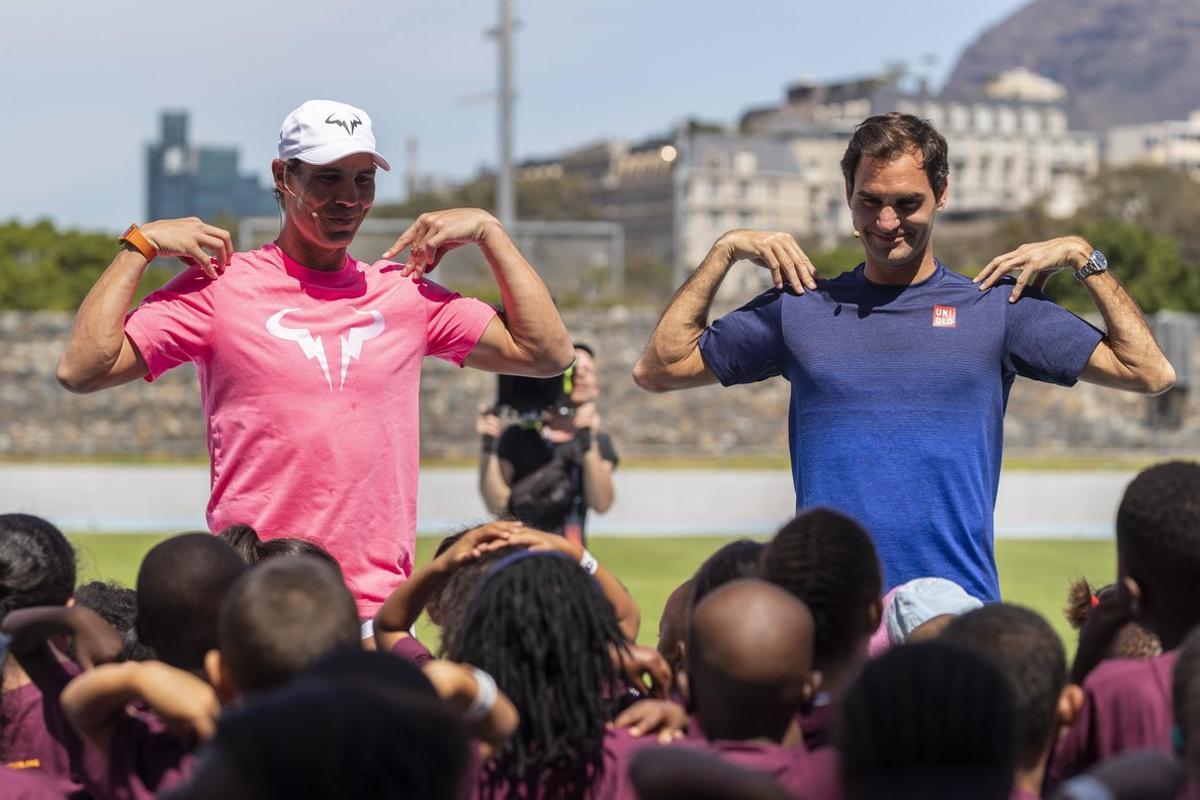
(775,251)
(189,238)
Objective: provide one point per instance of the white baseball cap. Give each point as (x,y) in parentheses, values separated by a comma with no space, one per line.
(323,131)
(920,600)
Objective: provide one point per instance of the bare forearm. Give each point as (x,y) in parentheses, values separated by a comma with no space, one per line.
(597,480)
(31,627)
(492,486)
(532,320)
(403,606)
(629,616)
(1129,336)
(95,700)
(671,359)
(99,332)
(458,686)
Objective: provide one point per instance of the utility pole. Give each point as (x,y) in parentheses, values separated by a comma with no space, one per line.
(506,208)
(411,146)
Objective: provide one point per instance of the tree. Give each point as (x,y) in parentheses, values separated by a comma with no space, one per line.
(1149,265)
(44,268)
(1164,201)
(1143,219)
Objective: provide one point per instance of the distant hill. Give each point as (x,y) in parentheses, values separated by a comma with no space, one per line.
(1122,61)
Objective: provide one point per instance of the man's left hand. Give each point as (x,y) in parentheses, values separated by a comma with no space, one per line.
(436,233)
(1037,262)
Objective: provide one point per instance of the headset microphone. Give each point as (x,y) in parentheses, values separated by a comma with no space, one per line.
(300,200)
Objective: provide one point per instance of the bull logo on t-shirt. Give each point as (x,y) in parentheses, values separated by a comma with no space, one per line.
(314,348)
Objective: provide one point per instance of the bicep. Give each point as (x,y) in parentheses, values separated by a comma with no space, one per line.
(497,352)
(692,371)
(688,372)
(744,346)
(129,366)
(1105,369)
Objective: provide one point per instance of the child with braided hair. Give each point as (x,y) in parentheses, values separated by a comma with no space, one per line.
(541,627)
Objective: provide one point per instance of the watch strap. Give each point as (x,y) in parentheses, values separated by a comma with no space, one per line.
(1095,264)
(134,237)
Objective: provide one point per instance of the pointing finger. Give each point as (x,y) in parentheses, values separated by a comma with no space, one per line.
(789,268)
(998,269)
(767,255)
(1015,295)
(203,260)
(403,242)
(991,265)
(807,271)
(226,242)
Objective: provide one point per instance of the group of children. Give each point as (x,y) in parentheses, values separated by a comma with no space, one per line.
(239,668)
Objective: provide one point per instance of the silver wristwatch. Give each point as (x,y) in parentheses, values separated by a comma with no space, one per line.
(1096,264)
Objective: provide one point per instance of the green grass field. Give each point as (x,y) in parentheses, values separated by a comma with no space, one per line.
(1032,573)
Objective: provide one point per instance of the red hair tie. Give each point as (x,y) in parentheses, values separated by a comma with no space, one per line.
(1095,601)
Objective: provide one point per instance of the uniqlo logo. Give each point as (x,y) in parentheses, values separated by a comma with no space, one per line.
(943,317)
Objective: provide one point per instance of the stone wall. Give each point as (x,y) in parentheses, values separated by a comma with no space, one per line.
(38,418)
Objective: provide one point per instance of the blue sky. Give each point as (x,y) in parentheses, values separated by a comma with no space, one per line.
(84,81)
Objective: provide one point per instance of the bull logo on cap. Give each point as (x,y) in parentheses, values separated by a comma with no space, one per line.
(347,125)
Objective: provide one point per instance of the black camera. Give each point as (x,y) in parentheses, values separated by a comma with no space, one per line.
(529,397)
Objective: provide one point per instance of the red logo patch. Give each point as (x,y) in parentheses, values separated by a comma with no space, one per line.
(943,317)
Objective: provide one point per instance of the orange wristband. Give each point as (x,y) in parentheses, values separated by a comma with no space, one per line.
(134,237)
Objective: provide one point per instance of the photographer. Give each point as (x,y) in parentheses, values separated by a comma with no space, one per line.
(549,469)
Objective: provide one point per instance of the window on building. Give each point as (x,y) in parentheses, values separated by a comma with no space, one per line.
(744,162)
(1006,121)
(983,119)
(960,118)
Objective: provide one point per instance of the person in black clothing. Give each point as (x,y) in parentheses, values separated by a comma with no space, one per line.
(550,471)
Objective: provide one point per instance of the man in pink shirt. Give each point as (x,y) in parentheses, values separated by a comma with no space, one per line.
(309,361)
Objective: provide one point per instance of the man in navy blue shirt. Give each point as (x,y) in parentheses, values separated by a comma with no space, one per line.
(900,368)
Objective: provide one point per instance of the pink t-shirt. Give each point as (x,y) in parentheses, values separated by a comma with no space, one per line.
(310,389)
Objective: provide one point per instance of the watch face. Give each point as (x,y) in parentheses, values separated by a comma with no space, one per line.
(1099,259)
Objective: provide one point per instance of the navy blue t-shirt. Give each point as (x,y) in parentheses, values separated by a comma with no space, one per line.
(898,398)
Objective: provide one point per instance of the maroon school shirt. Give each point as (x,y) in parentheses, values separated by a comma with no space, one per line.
(811,776)
(1126,706)
(27,784)
(408,648)
(612,784)
(144,759)
(816,725)
(36,734)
